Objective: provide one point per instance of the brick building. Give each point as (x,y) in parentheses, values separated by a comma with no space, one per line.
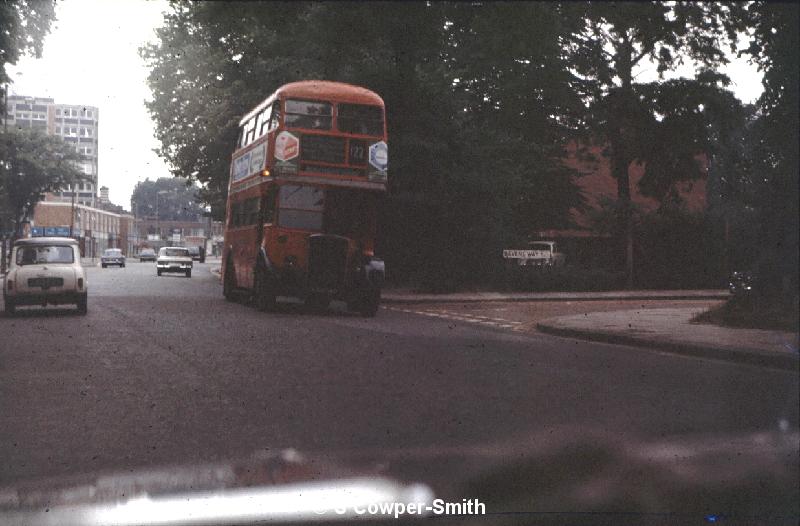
(95,229)
(583,243)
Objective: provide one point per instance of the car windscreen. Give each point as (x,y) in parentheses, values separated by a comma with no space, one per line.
(540,246)
(174,252)
(112,252)
(40,254)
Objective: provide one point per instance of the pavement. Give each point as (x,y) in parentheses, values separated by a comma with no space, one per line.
(408,296)
(672,329)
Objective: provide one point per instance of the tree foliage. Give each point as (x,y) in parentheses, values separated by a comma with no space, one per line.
(481,100)
(661,124)
(476,160)
(168,199)
(31,164)
(23,26)
(769,176)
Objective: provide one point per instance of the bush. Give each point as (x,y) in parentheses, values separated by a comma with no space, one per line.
(562,279)
(754,312)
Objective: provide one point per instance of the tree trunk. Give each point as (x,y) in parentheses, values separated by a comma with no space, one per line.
(621,159)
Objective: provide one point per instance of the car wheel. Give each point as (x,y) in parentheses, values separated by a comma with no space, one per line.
(188,273)
(104,265)
(263,293)
(83,304)
(123,265)
(158,271)
(11,308)
(228,282)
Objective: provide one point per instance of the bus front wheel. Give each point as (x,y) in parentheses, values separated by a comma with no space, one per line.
(367,303)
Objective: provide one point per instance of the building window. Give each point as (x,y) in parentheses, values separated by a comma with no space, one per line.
(58,130)
(58,112)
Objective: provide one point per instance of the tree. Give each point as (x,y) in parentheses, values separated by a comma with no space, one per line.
(168,199)
(772,185)
(24,25)
(613,39)
(31,164)
(464,175)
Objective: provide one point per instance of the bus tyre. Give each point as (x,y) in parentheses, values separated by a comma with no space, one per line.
(369,303)
(83,304)
(227,281)
(263,295)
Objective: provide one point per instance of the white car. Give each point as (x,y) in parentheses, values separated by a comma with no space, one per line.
(174,259)
(45,271)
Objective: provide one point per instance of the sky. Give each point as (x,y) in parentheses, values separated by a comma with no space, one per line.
(91,57)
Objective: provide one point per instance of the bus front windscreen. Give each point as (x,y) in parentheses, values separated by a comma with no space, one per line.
(301,207)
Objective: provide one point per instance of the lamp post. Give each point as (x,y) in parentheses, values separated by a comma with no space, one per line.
(158,217)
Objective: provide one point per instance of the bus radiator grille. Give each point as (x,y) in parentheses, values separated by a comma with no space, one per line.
(327,262)
(322,149)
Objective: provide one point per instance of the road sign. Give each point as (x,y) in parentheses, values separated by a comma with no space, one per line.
(379,156)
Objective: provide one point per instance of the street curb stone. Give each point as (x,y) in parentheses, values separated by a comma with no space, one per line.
(787,362)
(557,296)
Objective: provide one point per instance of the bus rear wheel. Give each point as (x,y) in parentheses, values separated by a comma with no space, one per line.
(227,282)
(263,294)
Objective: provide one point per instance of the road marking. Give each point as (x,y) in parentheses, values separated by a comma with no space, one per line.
(458,316)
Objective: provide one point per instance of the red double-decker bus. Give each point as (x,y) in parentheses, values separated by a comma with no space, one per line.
(310,164)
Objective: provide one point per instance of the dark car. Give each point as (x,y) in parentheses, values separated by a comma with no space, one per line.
(198,254)
(742,283)
(112,256)
(147,254)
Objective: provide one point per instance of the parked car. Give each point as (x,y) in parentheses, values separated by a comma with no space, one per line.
(198,254)
(44,271)
(538,254)
(112,256)
(174,259)
(147,254)
(742,283)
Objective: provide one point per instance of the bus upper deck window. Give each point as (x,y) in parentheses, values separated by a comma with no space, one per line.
(360,118)
(308,114)
(265,121)
(275,118)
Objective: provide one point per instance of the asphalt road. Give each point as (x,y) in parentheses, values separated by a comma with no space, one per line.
(164,371)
